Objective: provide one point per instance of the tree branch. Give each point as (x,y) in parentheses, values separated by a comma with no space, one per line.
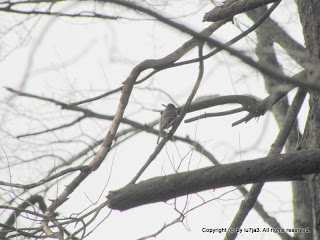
(230,8)
(282,167)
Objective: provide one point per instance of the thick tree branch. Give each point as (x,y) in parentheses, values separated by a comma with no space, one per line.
(230,8)
(282,167)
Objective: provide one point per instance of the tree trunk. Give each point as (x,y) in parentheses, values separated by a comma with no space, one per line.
(309,16)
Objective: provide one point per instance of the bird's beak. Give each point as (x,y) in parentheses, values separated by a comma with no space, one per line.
(164,105)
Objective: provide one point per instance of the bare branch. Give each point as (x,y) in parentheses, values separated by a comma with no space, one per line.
(230,8)
(60,14)
(254,107)
(217,114)
(283,167)
(53,129)
(47,179)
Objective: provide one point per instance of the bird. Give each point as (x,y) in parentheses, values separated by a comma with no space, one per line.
(167,118)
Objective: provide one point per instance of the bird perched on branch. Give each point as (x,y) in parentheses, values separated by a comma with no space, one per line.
(167,118)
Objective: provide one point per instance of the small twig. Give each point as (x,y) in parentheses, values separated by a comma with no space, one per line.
(218,114)
(60,14)
(47,179)
(54,129)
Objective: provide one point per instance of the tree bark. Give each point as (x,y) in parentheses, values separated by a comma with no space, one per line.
(281,167)
(309,12)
